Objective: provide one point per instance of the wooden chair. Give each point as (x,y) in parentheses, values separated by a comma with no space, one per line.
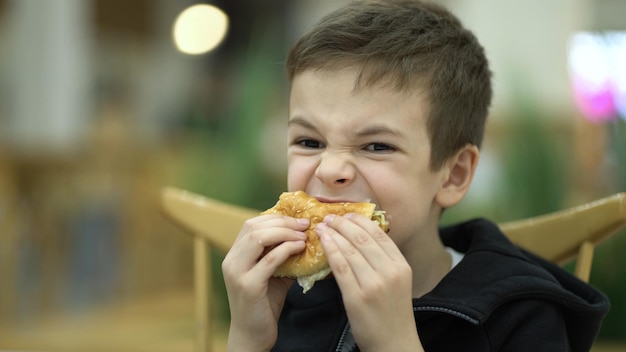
(571,233)
(212,224)
(558,237)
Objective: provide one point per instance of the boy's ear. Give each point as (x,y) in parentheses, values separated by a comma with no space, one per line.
(457,174)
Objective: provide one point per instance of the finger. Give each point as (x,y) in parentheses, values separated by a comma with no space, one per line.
(269,230)
(362,270)
(377,234)
(260,233)
(267,265)
(273,221)
(249,248)
(255,272)
(360,238)
(339,264)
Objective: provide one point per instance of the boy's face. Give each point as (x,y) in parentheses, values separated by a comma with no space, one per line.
(369,145)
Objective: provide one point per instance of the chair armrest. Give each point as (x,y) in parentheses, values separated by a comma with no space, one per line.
(217,222)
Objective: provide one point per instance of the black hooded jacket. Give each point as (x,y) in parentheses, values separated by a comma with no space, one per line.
(498,298)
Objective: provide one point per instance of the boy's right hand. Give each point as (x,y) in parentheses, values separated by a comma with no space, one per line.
(256,297)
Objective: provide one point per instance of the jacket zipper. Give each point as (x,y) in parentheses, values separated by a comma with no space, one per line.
(447,311)
(347,343)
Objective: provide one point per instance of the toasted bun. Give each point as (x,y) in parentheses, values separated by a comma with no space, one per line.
(312,263)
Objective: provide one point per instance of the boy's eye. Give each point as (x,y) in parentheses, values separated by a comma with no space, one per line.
(379,147)
(309,143)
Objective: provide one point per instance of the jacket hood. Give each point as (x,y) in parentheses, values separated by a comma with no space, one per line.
(520,274)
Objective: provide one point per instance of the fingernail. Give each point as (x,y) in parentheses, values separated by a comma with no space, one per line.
(302,221)
(301,235)
(321,227)
(329,218)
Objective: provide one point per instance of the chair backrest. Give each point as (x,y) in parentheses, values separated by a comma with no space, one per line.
(571,233)
(558,237)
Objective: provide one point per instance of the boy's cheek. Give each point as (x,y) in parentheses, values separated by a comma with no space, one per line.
(295,181)
(299,174)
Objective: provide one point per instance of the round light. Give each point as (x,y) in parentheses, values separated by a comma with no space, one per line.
(592,77)
(199,29)
(619,71)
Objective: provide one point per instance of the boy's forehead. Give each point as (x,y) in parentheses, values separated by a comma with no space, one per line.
(347,80)
(315,91)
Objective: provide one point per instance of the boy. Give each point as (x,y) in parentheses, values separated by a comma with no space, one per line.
(388,103)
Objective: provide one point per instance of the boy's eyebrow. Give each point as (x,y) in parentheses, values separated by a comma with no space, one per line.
(377,130)
(300,121)
(372,130)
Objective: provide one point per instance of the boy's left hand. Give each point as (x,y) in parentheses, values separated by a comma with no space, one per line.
(375,281)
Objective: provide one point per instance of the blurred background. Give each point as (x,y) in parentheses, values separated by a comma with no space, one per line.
(104,102)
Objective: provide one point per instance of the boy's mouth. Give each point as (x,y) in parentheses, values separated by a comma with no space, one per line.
(341,200)
(330,200)
(344,200)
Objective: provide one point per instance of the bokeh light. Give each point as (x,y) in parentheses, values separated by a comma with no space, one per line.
(199,29)
(619,65)
(598,74)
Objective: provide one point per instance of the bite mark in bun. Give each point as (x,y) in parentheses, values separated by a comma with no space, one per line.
(311,265)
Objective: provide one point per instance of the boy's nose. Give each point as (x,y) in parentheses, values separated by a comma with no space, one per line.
(334,170)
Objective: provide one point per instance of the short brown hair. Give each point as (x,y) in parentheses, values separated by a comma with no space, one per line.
(411,45)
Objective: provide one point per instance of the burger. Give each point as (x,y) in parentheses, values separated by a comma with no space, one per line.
(311,264)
